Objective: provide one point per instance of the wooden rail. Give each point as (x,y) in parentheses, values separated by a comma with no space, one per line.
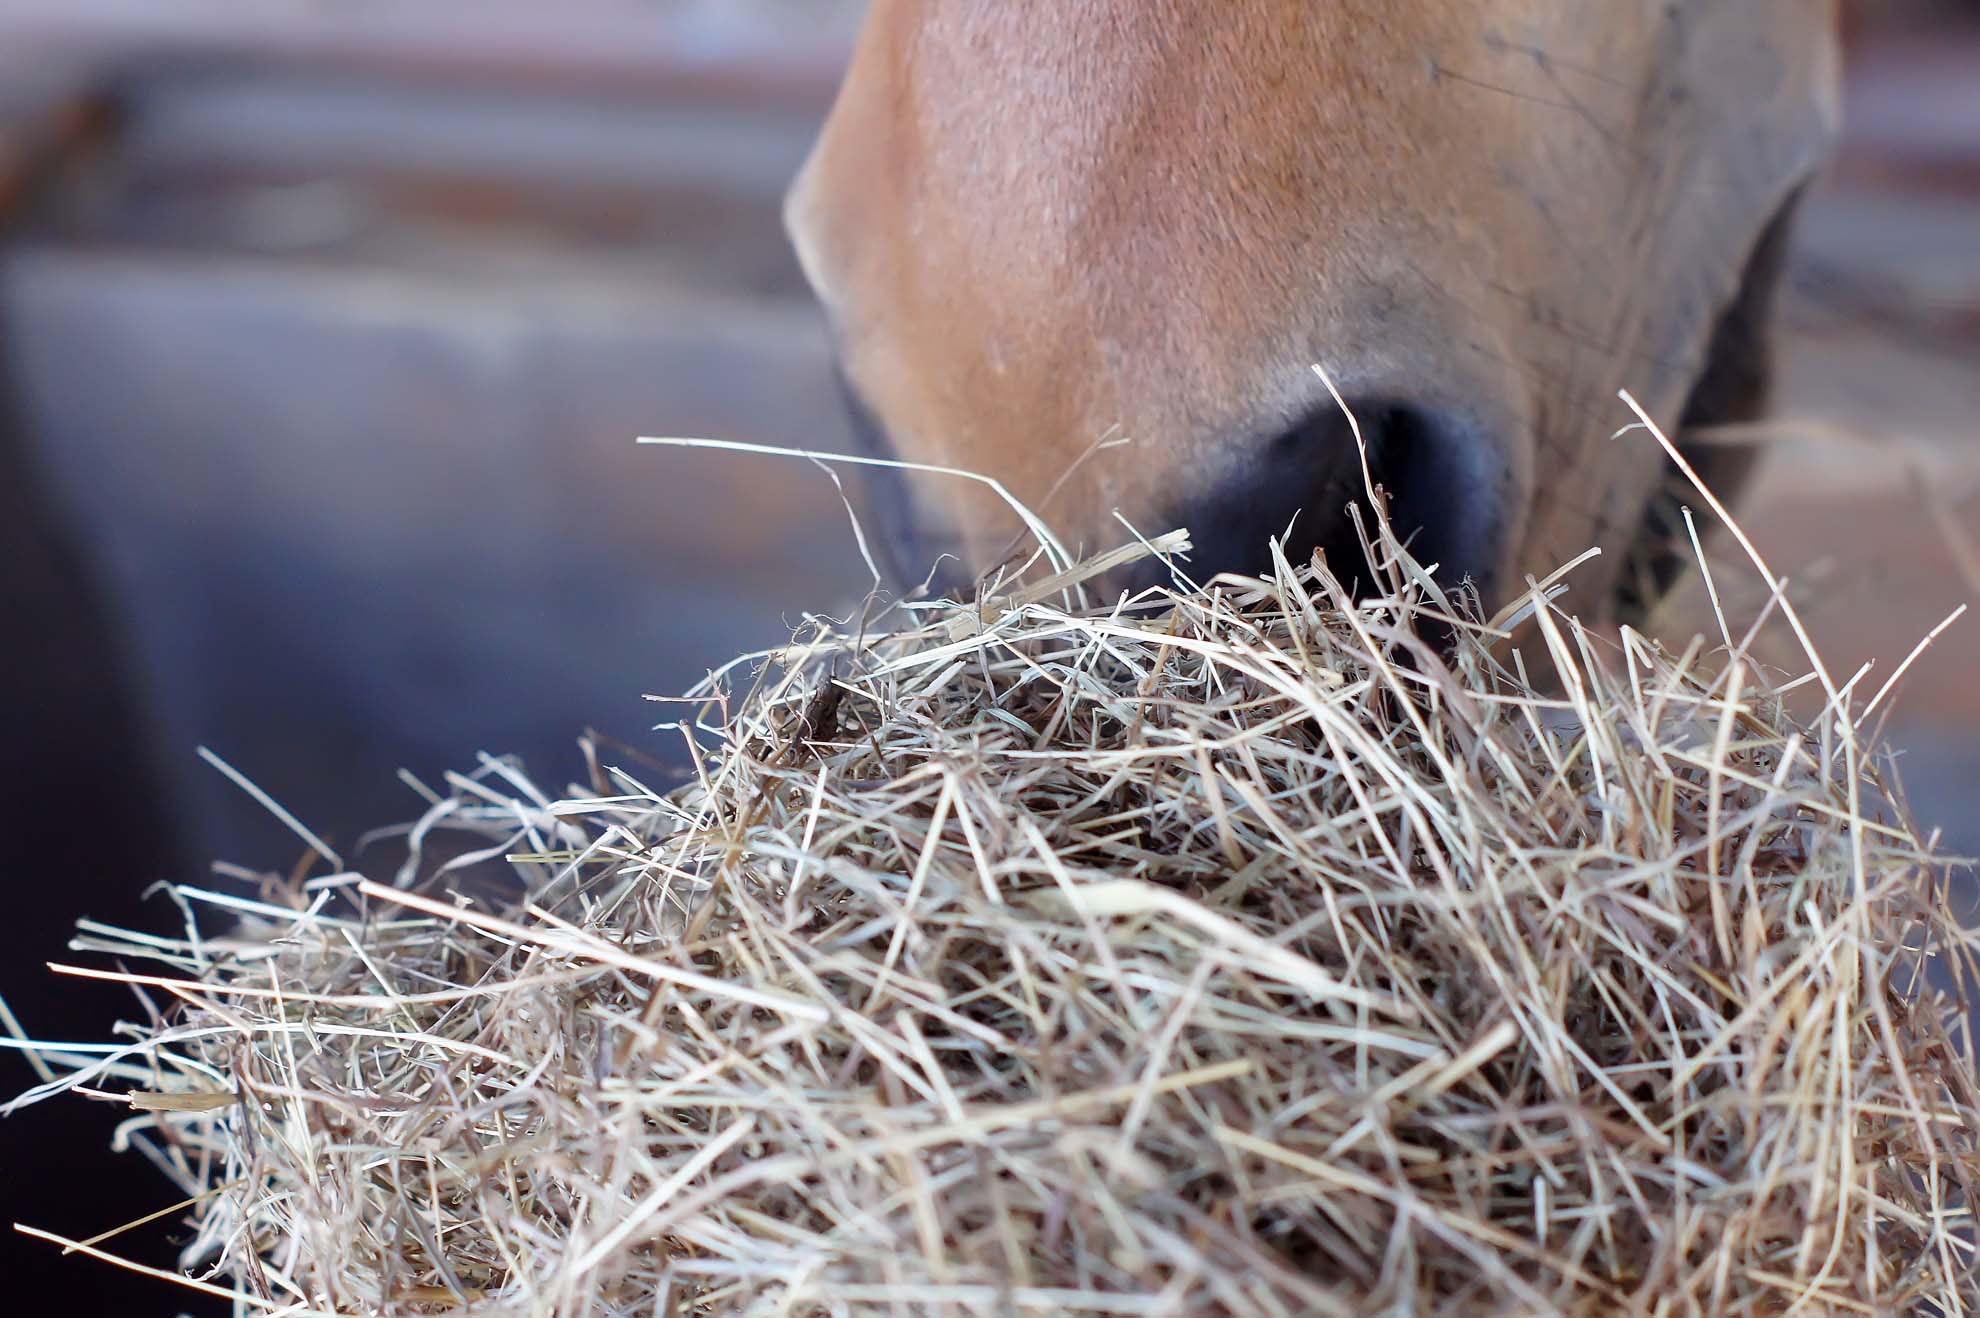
(785,50)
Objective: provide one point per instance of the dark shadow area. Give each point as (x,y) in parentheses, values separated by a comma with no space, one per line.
(86,831)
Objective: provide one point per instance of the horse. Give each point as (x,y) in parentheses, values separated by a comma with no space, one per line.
(1091,250)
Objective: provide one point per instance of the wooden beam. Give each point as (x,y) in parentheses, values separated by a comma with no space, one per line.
(750,48)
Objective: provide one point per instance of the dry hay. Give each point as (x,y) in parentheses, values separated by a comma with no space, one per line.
(1235,952)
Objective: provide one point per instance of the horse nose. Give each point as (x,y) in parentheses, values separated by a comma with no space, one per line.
(1447,493)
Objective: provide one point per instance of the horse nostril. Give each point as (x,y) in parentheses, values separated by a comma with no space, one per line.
(1295,486)
(1453,495)
(1447,490)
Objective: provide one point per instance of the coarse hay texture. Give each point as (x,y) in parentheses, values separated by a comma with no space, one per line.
(1236,950)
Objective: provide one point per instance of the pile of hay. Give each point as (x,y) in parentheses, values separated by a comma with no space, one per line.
(1234,952)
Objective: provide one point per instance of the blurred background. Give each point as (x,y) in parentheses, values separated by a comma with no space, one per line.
(325,331)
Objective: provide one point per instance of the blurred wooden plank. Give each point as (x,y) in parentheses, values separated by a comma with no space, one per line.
(791,50)
(1914,110)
